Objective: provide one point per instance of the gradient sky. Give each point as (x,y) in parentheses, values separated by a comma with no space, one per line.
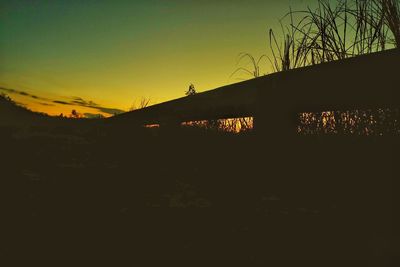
(94,56)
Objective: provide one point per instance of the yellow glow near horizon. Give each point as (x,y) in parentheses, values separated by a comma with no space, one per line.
(115,53)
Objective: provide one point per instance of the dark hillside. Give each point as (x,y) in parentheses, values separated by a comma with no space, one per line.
(144,194)
(12,114)
(22,122)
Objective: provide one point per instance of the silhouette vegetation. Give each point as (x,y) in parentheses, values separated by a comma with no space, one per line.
(330,32)
(191,90)
(143,102)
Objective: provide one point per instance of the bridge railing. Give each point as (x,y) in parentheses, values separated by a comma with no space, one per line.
(368,81)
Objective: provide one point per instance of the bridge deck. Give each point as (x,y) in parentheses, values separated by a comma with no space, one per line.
(361,82)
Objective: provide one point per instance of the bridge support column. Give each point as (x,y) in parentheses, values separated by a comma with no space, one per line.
(170,125)
(275,124)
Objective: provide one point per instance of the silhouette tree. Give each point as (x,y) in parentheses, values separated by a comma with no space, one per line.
(75,114)
(191,90)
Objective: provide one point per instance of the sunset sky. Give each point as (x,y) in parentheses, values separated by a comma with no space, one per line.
(101,56)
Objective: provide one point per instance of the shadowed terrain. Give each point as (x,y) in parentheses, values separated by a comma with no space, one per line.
(82,189)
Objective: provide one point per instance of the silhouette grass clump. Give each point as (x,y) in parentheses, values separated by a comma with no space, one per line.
(232,125)
(371,122)
(255,65)
(331,32)
(143,102)
(334,32)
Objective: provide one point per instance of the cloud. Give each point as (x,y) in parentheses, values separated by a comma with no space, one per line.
(19,92)
(72,101)
(78,101)
(45,104)
(61,102)
(111,111)
(81,102)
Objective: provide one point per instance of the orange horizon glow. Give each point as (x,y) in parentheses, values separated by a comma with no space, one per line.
(113,53)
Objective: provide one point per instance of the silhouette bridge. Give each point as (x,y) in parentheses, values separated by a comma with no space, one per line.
(362,82)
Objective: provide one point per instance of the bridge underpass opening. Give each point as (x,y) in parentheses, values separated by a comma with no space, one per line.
(232,125)
(363,122)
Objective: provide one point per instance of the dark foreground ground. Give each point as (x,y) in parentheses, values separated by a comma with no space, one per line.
(116,193)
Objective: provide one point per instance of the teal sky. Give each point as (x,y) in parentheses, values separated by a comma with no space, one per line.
(115,52)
